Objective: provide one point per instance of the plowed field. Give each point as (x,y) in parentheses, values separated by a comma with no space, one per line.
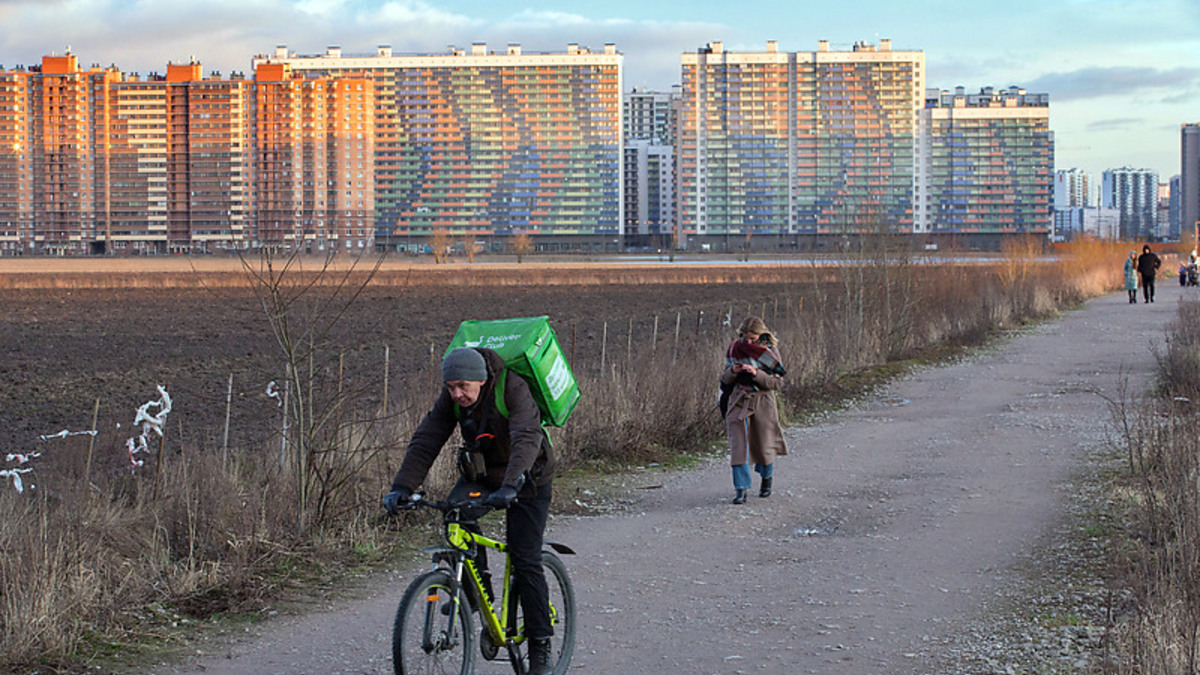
(67,347)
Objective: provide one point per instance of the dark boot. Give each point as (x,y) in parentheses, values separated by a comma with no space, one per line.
(739,496)
(539,657)
(765,489)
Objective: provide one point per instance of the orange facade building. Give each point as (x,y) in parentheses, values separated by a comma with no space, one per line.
(315,147)
(98,162)
(16,163)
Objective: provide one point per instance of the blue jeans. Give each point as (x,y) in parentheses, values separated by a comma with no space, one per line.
(741,474)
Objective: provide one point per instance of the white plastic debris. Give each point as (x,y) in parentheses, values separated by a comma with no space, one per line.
(65,433)
(149,423)
(15,475)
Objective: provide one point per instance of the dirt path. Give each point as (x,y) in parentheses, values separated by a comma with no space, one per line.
(892,524)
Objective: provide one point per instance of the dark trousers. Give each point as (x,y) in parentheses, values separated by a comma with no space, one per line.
(1148,287)
(524,526)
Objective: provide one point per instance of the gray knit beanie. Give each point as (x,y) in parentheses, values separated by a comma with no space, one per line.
(464,363)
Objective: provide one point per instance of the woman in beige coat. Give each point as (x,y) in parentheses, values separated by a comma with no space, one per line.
(753,372)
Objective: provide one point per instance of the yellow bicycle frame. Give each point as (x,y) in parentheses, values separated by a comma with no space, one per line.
(462,540)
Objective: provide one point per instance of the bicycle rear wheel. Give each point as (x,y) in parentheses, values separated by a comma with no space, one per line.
(433,632)
(562,611)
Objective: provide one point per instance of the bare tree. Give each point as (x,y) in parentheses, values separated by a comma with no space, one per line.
(468,245)
(440,242)
(522,245)
(323,445)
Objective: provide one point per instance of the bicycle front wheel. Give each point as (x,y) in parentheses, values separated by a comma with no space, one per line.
(433,632)
(562,611)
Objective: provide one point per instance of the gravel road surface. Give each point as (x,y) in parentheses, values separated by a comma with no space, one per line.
(894,524)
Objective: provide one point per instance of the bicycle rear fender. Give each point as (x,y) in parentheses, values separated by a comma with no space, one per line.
(559,547)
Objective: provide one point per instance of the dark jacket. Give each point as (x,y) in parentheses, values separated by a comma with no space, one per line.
(511,447)
(1148,264)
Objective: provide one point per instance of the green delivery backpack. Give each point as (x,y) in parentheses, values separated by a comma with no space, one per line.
(529,349)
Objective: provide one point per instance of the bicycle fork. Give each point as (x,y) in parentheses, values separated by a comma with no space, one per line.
(434,640)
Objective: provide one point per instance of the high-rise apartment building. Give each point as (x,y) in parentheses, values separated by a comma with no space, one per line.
(1189,182)
(989,165)
(856,128)
(482,144)
(136,213)
(650,195)
(787,143)
(16,163)
(315,152)
(1072,189)
(1134,194)
(96,161)
(650,131)
(651,115)
(1162,212)
(209,160)
(850,142)
(64,103)
(1174,216)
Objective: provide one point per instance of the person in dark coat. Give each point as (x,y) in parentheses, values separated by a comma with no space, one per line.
(510,457)
(1147,265)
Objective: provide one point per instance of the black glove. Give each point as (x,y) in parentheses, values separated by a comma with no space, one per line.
(396,500)
(502,498)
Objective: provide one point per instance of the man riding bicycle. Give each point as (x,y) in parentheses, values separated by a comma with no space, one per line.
(506,454)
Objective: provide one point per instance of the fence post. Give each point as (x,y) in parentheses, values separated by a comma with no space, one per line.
(675,352)
(629,345)
(162,440)
(603,347)
(387,362)
(228,406)
(654,341)
(87,471)
(432,369)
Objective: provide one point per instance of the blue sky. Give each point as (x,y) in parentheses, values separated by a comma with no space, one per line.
(1122,74)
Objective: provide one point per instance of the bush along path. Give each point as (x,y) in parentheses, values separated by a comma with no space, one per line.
(927,529)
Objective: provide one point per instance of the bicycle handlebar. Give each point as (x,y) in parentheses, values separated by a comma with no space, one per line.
(447,506)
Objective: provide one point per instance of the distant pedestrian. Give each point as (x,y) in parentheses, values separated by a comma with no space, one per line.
(752,375)
(1147,266)
(1131,277)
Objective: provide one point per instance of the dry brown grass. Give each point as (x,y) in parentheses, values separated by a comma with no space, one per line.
(1158,550)
(85,556)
